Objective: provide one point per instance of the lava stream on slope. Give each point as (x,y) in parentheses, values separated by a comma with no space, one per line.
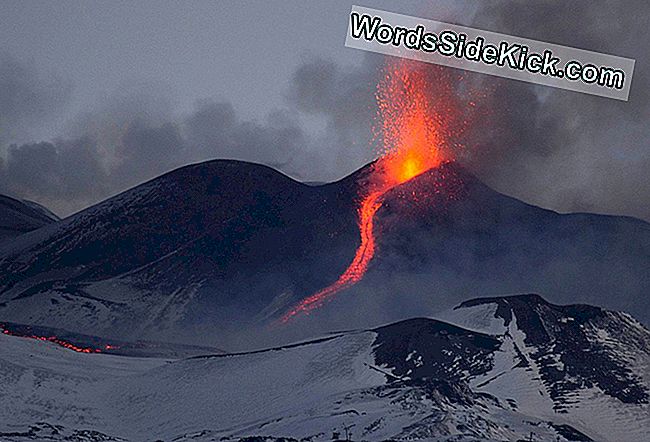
(53,339)
(413,134)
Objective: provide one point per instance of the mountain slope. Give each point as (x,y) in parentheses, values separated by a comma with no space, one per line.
(419,379)
(240,230)
(224,246)
(18,217)
(95,344)
(584,362)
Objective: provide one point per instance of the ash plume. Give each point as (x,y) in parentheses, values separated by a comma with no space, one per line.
(565,150)
(558,149)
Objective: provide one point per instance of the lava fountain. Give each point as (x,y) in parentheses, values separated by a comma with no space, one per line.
(411,137)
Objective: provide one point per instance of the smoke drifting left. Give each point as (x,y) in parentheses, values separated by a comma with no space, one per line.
(133,137)
(557,149)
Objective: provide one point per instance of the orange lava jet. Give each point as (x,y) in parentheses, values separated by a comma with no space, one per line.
(412,140)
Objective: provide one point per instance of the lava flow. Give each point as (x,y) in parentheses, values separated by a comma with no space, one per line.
(411,136)
(53,339)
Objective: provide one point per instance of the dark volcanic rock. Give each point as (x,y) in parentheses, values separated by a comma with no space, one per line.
(224,245)
(426,348)
(576,336)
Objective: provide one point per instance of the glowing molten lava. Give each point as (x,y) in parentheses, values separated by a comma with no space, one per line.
(355,271)
(52,339)
(411,145)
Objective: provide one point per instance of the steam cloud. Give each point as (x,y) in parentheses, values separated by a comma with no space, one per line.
(558,149)
(565,150)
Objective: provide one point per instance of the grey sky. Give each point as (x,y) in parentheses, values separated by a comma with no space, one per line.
(244,51)
(98,96)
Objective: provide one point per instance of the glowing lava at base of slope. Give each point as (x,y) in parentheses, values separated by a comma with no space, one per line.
(412,141)
(53,339)
(356,269)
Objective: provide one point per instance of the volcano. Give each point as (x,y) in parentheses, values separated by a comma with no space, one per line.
(224,246)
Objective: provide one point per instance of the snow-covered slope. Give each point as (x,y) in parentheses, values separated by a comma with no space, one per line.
(419,379)
(96,344)
(18,217)
(588,364)
(222,247)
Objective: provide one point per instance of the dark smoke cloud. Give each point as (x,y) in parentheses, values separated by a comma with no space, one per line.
(57,172)
(566,150)
(343,99)
(214,130)
(558,149)
(135,136)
